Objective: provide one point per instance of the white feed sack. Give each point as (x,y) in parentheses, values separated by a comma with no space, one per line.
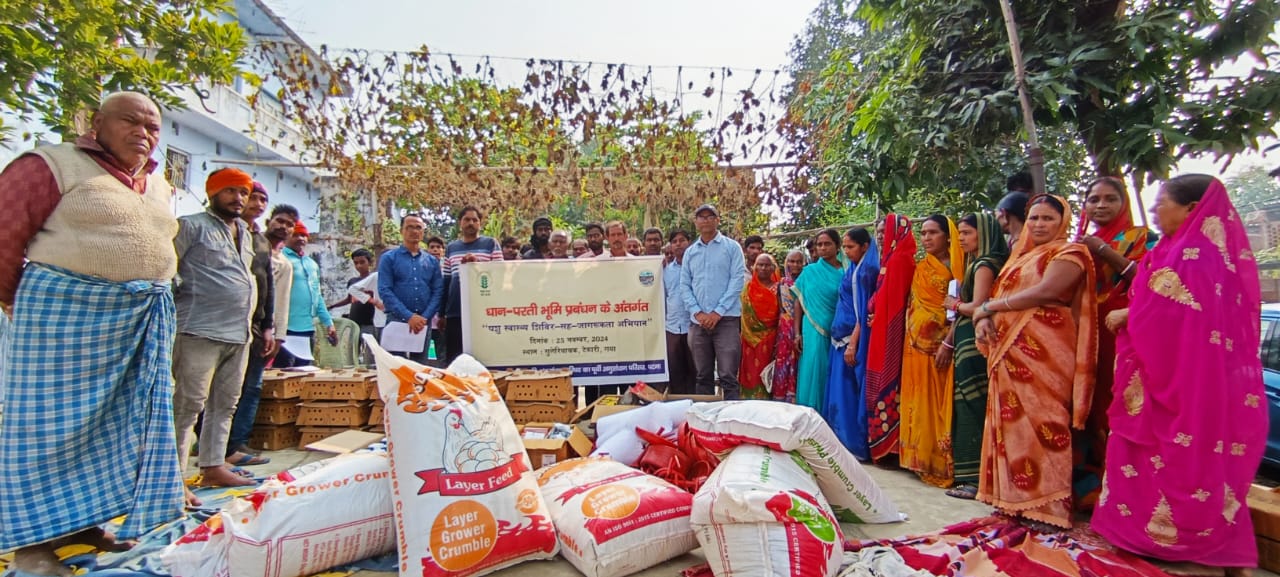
(300,522)
(761,514)
(854,495)
(466,500)
(614,520)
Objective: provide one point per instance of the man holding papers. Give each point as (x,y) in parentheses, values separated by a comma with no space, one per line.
(411,287)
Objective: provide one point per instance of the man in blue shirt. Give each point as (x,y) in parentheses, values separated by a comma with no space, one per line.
(711,280)
(411,284)
(679,359)
(306,305)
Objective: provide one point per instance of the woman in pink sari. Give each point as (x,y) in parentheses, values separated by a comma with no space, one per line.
(1189,419)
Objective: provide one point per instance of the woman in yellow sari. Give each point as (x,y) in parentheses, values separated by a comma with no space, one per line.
(1039,333)
(927,396)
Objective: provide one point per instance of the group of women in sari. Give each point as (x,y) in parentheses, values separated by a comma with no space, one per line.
(1105,371)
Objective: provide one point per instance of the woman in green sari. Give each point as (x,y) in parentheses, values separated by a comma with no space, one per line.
(817,291)
(983,243)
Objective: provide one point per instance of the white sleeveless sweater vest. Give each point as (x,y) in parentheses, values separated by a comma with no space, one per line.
(101,227)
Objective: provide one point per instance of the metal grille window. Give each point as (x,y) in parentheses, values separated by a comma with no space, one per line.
(177,167)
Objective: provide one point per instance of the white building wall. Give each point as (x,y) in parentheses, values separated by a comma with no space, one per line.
(203,151)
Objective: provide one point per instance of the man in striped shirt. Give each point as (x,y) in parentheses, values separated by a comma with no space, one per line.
(470,247)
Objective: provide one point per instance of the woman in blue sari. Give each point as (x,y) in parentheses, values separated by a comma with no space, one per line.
(846,406)
(816,293)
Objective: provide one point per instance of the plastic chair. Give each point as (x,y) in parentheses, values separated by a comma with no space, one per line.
(343,355)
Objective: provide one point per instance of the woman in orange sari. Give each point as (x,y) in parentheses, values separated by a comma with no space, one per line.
(1116,246)
(925,433)
(1039,332)
(759,326)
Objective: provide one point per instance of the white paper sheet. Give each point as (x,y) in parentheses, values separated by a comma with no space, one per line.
(953,289)
(396,337)
(299,347)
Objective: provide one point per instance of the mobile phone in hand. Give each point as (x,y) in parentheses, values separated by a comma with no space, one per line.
(333,339)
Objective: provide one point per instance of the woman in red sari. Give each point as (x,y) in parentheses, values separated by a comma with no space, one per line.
(1189,419)
(1039,333)
(759,325)
(784,368)
(888,333)
(1116,246)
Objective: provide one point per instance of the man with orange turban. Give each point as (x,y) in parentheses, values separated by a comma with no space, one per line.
(215,298)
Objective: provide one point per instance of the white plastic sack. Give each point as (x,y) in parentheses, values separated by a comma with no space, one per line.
(614,520)
(465,498)
(616,433)
(761,514)
(854,495)
(333,513)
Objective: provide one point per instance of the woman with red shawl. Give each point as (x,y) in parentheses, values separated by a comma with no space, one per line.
(1116,246)
(1189,423)
(759,326)
(888,333)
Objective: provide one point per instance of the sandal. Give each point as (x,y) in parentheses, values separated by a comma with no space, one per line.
(965,491)
(239,459)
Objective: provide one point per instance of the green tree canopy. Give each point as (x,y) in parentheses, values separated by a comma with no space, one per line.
(57,57)
(919,95)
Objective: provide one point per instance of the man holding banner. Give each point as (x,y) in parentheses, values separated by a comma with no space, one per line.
(711,281)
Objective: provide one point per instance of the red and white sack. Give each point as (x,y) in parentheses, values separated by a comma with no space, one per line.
(854,495)
(334,512)
(761,514)
(466,500)
(614,520)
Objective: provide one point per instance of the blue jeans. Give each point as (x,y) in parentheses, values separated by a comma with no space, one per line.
(247,408)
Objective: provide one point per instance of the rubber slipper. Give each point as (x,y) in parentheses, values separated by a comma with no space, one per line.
(247,460)
(242,472)
(968,492)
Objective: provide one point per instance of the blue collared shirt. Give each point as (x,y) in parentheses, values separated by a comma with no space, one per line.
(712,277)
(410,284)
(306,305)
(677,321)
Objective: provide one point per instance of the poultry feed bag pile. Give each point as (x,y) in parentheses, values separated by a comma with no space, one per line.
(854,495)
(299,522)
(466,500)
(614,520)
(761,514)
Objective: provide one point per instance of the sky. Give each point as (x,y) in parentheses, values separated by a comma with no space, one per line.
(740,33)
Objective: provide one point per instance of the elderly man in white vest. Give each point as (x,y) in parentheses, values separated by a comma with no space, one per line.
(87,433)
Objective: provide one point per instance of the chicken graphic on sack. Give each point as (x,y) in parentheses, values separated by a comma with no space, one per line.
(470,447)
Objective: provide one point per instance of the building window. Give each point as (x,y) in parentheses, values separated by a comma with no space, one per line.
(177,167)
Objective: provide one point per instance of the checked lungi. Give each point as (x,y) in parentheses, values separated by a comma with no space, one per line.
(87,433)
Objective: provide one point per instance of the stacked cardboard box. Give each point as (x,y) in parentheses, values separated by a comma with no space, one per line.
(333,402)
(544,451)
(275,425)
(376,416)
(1264,508)
(540,396)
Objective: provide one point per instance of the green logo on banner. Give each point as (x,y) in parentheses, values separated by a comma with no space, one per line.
(484,280)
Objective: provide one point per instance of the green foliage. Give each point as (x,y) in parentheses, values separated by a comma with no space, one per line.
(920,94)
(1253,189)
(57,57)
